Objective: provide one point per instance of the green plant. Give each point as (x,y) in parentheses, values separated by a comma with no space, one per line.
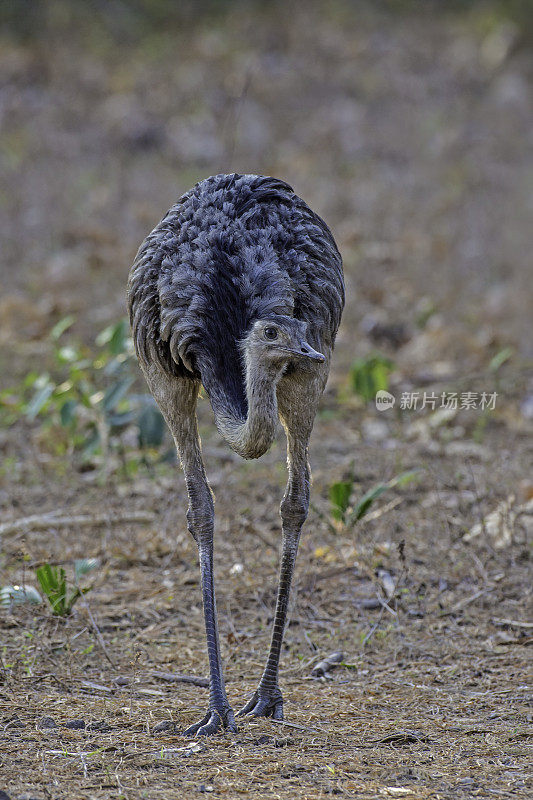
(497,362)
(363,506)
(53,582)
(56,589)
(339,497)
(501,357)
(340,494)
(85,401)
(370,375)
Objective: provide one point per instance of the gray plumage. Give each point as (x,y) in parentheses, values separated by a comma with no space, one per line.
(239,288)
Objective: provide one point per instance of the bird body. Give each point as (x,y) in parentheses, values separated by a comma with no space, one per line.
(238,288)
(234,249)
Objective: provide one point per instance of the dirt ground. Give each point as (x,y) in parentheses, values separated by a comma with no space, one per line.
(408,127)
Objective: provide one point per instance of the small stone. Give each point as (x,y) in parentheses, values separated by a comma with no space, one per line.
(75,724)
(264,739)
(47,722)
(287,742)
(164,726)
(100,727)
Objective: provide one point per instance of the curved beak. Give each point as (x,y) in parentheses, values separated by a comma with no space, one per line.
(307,351)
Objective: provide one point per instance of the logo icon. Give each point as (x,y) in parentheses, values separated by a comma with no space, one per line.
(384,400)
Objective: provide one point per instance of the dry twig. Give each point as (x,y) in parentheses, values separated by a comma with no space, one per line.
(175,677)
(41,522)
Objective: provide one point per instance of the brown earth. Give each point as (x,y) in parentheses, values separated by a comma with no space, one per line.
(410,131)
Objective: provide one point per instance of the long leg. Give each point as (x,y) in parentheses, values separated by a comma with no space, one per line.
(298,418)
(178,403)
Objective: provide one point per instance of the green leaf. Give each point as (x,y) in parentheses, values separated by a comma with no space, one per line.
(45,577)
(67,412)
(39,400)
(84,565)
(366,501)
(105,335)
(53,582)
(115,393)
(121,420)
(151,427)
(14,595)
(61,326)
(114,337)
(406,477)
(500,358)
(73,598)
(117,343)
(339,497)
(369,497)
(370,375)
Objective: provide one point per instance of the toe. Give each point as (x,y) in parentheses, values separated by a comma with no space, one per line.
(213,726)
(193,730)
(263,706)
(250,705)
(260,709)
(230,722)
(213,722)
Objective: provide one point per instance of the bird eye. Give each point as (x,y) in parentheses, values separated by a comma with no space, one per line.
(271,333)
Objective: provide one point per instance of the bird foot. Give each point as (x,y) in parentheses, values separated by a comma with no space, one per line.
(213,722)
(264,705)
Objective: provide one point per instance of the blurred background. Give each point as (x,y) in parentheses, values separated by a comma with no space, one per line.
(406,125)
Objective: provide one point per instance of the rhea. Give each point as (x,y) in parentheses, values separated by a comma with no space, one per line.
(240,289)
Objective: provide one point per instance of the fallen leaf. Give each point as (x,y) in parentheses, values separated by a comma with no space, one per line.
(499,523)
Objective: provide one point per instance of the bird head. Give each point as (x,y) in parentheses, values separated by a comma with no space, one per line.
(278,339)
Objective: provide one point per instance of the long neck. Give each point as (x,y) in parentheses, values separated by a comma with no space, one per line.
(251,437)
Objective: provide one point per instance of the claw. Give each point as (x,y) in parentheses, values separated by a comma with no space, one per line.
(260,709)
(257,706)
(248,707)
(193,730)
(212,723)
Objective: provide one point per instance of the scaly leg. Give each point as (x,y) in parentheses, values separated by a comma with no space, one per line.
(178,404)
(200,518)
(219,713)
(267,700)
